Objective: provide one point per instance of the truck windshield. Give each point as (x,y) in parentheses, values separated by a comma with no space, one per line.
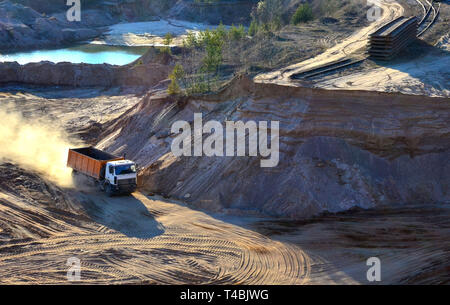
(125,169)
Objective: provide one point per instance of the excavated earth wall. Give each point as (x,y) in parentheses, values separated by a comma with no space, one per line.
(338,149)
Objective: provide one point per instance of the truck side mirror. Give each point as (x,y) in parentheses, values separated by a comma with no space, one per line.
(111,170)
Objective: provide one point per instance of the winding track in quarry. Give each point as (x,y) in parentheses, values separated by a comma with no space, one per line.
(146,239)
(358,40)
(424,75)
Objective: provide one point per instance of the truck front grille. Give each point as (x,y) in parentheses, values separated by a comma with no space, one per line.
(126,181)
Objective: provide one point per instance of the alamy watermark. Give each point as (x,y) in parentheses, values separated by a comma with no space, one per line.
(74,12)
(374,272)
(234,143)
(374,13)
(74,272)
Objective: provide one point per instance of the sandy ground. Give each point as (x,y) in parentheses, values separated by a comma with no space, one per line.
(152,240)
(427,75)
(150,33)
(412,243)
(145,240)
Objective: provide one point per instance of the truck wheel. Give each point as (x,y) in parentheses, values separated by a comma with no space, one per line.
(108,190)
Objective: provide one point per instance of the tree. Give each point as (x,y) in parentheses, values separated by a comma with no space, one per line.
(268,10)
(237,33)
(175,77)
(168,38)
(253,29)
(302,14)
(213,42)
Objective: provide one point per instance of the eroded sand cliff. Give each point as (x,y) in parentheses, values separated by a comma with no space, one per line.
(338,149)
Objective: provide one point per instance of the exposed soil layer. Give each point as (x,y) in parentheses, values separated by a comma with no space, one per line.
(410,241)
(84,75)
(22,27)
(338,149)
(26,24)
(152,240)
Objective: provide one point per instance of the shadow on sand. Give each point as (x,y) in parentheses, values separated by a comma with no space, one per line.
(124,214)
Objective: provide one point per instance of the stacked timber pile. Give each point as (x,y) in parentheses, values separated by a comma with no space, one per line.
(393,37)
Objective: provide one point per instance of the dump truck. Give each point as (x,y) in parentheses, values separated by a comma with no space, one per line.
(114,174)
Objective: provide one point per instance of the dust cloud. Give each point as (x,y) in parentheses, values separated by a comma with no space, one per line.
(35,146)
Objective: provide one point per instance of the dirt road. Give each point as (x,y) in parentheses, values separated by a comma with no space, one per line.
(358,40)
(427,76)
(151,240)
(139,239)
(135,239)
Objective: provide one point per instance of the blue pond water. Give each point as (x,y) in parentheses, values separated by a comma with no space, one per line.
(89,54)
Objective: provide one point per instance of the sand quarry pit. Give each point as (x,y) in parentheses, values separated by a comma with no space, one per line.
(362,174)
(149,239)
(139,240)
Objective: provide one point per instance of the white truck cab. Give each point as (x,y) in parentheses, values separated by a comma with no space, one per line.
(120,176)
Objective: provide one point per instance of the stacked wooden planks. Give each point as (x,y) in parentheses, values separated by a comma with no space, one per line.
(393,37)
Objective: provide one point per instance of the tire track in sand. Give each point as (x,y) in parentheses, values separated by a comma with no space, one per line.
(188,247)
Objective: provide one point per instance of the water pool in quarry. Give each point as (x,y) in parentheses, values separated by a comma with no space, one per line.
(86,53)
(121,45)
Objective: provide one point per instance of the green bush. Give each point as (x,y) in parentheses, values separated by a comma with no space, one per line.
(191,40)
(176,75)
(237,33)
(253,29)
(198,86)
(168,38)
(302,14)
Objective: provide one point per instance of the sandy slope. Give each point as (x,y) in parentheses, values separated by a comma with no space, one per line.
(338,149)
(151,240)
(140,239)
(131,239)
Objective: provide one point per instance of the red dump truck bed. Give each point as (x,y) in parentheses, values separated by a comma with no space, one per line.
(90,161)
